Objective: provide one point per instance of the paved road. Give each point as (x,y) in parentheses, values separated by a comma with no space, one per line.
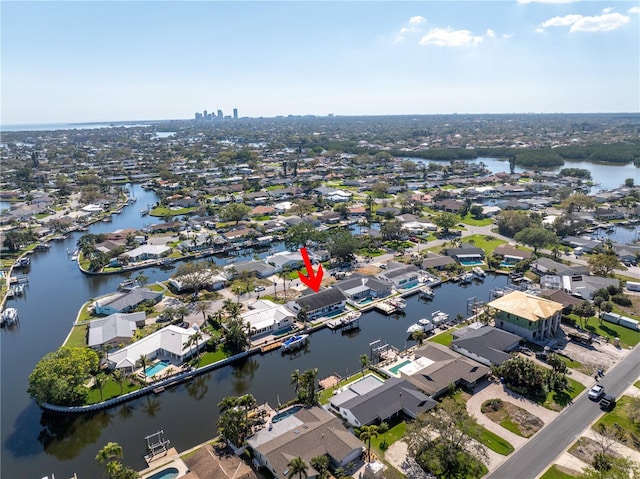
(535,456)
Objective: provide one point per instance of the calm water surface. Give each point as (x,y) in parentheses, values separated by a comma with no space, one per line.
(36,443)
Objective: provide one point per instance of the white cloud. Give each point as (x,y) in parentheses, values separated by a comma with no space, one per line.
(410,27)
(607,10)
(561,21)
(490,33)
(547,1)
(600,23)
(448,37)
(634,10)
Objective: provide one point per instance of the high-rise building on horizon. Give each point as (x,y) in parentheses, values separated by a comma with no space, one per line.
(220,116)
(235,113)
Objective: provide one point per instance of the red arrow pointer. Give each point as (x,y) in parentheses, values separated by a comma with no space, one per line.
(313,280)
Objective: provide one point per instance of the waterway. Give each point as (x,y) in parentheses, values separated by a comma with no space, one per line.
(35,443)
(607,176)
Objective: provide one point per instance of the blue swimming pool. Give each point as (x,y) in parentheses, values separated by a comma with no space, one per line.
(156,368)
(470,262)
(399,366)
(169,473)
(284,414)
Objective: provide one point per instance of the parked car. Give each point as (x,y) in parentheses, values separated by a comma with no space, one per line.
(596,392)
(259,288)
(608,402)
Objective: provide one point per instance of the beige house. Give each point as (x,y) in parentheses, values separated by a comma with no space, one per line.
(528,316)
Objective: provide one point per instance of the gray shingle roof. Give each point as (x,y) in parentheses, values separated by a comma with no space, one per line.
(488,342)
(321,299)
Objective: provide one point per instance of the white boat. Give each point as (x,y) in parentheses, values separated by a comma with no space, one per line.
(399,303)
(439,317)
(478,272)
(466,277)
(74,256)
(9,316)
(426,292)
(351,317)
(422,325)
(294,342)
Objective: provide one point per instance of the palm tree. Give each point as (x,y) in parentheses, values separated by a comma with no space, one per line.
(143,360)
(202,307)
(99,380)
(366,434)
(142,279)
(112,452)
(297,466)
(418,336)
(118,377)
(296,378)
(182,311)
(364,362)
(227,403)
(303,315)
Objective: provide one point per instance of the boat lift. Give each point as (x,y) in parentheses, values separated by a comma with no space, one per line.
(156,445)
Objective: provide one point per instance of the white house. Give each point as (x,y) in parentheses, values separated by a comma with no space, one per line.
(267,317)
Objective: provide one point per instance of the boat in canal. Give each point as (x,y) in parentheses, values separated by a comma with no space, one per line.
(399,303)
(478,272)
(294,342)
(9,316)
(439,317)
(423,324)
(22,262)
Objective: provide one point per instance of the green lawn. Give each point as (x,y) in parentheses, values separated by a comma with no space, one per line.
(394,434)
(618,416)
(494,442)
(110,390)
(470,220)
(78,337)
(570,362)
(628,337)
(211,357)
(554,473)
(637,384)
(487,243)
(509,425)
(162,211)
(445,338)
(557,401)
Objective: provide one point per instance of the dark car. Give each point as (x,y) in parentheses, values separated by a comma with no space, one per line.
(608,402)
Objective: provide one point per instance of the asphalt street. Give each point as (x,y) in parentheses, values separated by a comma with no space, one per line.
(543,448)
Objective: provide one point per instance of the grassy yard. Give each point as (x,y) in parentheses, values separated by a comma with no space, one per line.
(163,211)
(211,357)
(618,418)
(445,338)
(393,434)
(557,472)
(558,401)
(470,220)
(78,337)
(487,243)
(111,389)
(637,384)
(628,337)
(494,442)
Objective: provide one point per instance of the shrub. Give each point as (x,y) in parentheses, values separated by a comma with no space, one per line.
(621,300)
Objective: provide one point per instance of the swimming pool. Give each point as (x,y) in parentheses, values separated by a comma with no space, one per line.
(169,473)
(470,262)
(285,414)
(399,366)
(156,368)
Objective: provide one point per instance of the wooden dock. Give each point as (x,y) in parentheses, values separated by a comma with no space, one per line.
(270,347)
(385,307)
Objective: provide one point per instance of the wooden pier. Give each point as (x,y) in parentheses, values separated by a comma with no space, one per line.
(270,347)
(386,307)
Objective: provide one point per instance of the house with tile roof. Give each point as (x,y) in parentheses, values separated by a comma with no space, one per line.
(531,317)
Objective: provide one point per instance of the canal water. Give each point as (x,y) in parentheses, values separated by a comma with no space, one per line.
(35,443)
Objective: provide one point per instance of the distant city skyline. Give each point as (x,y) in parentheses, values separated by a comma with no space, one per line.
(124,61)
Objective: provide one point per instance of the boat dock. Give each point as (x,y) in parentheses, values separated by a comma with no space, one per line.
(426,293)
(386,307)
(350,321)
(270,347)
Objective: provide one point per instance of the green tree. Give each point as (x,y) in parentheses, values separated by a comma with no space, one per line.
(109,457)
(297,467)
(603,264)
(418,336)
(584,311)
(59,377)
(341,244)
(392,230)
(442,442)
(234,212)
(194,275)
(364,362)
(321,464)
(231,426)
(536,237)
(445,221)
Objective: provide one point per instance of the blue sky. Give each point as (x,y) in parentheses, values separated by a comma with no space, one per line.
(103,61)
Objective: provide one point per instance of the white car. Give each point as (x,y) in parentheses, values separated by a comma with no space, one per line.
(596,392)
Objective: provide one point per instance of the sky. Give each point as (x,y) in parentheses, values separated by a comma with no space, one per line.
(85,61)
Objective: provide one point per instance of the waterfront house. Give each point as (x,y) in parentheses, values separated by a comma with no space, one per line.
(584,286)
(171,342)
(307,433)
(359,287)
(401,276)
(487,345)
(326,302)
(437,261)
(436,368)
(465,253)
(126,302)
(261,269)
(114,329)
(544,265)
(266,317)
(285,260)
(148,251)
(510,254)
(370,401)
(210,280)
(528,316)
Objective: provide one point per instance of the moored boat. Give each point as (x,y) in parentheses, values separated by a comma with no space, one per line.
(478,272)
(399,303)
(294,342)
(9,316)
(422,325)
(439,317)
